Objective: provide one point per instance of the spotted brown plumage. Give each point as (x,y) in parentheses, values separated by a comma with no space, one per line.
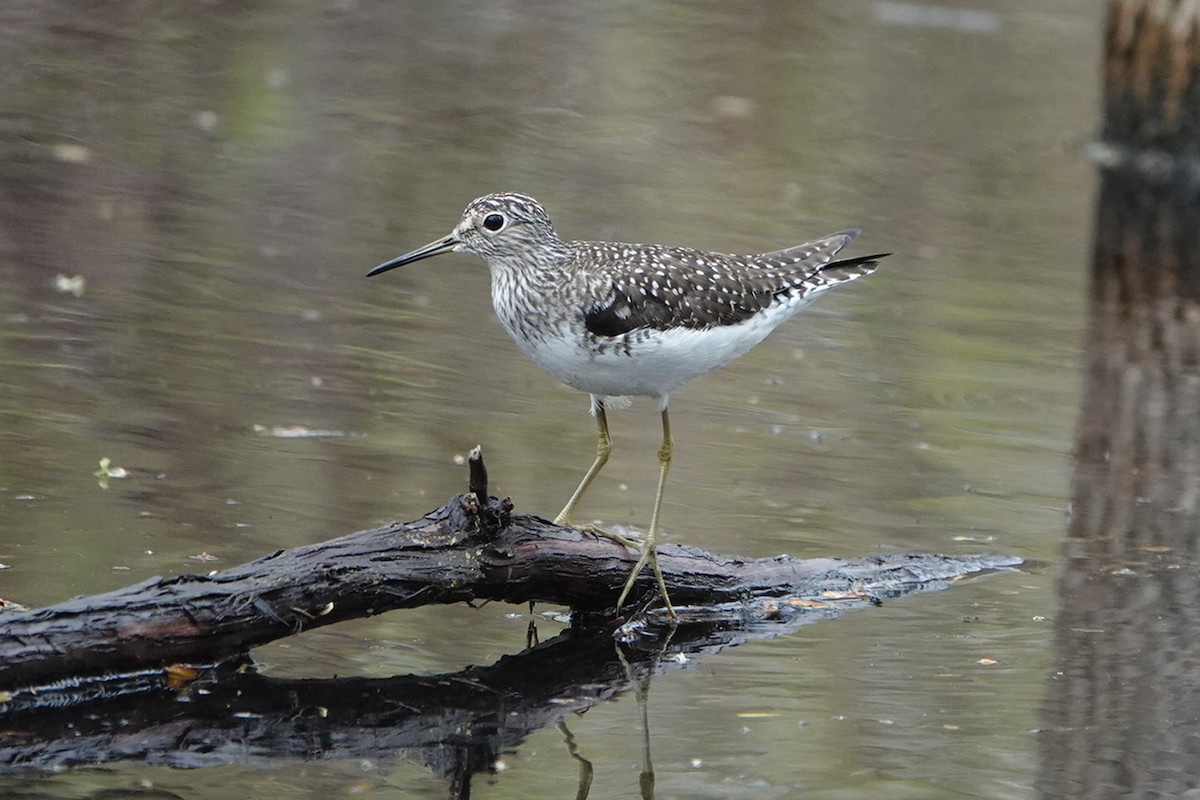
(616,320)
(675,287)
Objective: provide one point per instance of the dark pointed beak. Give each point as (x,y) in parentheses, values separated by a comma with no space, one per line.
(431,249)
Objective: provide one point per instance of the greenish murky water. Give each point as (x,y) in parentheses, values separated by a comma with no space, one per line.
(190,197)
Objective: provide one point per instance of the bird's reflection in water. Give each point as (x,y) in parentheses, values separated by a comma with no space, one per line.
(639,678)
(585,767)
(641,690)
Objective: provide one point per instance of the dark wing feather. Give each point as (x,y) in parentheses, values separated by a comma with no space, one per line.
(679,300)
(623,314)
(679,287)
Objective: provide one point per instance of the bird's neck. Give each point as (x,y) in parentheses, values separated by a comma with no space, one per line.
(535,268)
(524,289)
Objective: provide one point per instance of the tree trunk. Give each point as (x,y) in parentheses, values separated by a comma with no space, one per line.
(1121,709)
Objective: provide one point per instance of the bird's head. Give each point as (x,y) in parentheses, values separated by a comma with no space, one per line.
(505,228)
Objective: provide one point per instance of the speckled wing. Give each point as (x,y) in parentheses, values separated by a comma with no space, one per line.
(659,287)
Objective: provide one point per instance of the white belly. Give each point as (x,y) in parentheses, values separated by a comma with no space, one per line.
(645,362)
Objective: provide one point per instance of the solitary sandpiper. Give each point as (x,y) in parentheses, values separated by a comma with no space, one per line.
(616,320)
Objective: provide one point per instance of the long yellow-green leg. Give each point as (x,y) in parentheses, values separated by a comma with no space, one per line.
(649,554)
(603,450)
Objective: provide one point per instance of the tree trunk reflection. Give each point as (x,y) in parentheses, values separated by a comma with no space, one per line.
(1123,706)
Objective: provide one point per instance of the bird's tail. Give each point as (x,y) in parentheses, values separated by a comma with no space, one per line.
(836,273)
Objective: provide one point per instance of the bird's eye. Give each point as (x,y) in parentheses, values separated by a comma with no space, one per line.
(493,222)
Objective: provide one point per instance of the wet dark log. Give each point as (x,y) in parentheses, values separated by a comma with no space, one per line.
(1121,710)
(463,552)
(456,724)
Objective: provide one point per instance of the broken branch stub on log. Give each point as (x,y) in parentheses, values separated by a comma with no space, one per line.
(466,550)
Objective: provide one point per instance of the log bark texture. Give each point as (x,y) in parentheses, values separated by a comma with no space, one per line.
(462,552)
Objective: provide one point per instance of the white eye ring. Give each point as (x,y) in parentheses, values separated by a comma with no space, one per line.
(494,222)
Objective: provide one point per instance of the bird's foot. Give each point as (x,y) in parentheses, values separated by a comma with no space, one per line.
(649,556)
(633,543)
(612,536)
(646,556)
